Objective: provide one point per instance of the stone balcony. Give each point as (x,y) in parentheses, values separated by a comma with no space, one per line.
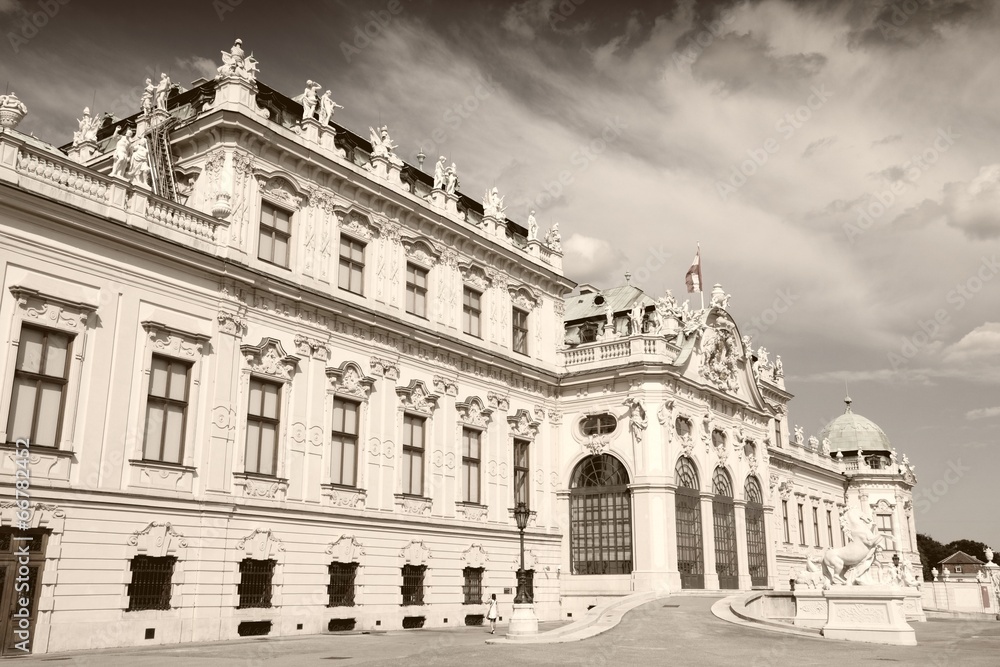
(645,348)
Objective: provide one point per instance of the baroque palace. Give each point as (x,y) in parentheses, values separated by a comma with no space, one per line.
(261,376)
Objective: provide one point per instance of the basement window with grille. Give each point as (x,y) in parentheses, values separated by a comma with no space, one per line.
(341,586)
(255,583)
(150,587)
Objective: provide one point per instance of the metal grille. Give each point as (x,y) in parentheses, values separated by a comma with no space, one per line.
(253,628)
(756,541)
(341,586)
(150,587)
(724,521)
(600,517)
(687,508)
(255,583)
(413,584)
(4,542)
(472,589)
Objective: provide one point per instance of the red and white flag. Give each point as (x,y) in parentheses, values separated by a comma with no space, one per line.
(693,277)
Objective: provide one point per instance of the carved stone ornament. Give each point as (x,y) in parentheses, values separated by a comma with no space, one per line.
(348,379)
(498,402)
(50,310)
(596,444)
(414,397)
(281,191)
(234,324)
(387,368)
(355,224)
(719,359)
(158,539)
(637,418)
(475,276)
(522,298)
(523,425)
(421,251)
(261,544)
(415,553)
(346,550)
(314,347)
(345,497)
(472,512)
(171,341)
(475,556)
(444,385)
(269,358)
(471,412)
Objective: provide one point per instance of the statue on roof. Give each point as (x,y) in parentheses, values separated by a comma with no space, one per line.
(451,179)
(609,315)
(439,173)
(553,239)
(148,92)
(162,91)
(493,205)
(779,368)
(799,436)
(88,128)
(327,107)
(235,64)
(12,110)
(382,145)
(635,318)
(123,153)
(138,173)
(532,226)
(309,99)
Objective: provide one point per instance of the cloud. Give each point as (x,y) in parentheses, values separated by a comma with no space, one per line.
(978,349)
(983,413)
(892,138)
(11,7)
(975,208)
(818,145)
(591,260)
(203,66)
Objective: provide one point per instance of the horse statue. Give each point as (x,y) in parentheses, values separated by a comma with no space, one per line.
(848,564)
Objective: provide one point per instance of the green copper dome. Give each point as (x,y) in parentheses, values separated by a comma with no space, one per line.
(850,432)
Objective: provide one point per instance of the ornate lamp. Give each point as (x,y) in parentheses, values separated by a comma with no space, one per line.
(521,515)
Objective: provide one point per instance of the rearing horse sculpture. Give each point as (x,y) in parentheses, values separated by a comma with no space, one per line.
(844,565)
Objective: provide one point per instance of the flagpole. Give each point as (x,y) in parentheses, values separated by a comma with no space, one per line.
(702,273)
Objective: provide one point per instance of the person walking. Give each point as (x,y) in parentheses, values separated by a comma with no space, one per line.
(491,613)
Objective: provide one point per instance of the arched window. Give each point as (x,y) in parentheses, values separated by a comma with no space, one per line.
(687,508)
(600,511)
(724,521)
(756,543)
(601,424)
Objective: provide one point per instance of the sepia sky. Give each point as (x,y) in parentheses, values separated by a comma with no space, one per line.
(838,161)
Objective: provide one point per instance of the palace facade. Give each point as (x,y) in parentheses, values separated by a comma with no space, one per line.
(261,376)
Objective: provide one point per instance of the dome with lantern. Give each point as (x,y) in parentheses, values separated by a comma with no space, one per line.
(850,432)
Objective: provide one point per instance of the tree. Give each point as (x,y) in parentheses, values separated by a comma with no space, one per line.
(931,553)
(971,547)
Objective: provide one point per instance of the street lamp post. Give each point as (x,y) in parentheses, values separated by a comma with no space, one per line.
(523,621)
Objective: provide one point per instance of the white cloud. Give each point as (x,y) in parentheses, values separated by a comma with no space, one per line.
(591,260)
(204,67)
(983,413)
(975,208)
(11,6)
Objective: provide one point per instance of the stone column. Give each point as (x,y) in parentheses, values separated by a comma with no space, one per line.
(669,528)
(708,542)
(649,539)
(742,549)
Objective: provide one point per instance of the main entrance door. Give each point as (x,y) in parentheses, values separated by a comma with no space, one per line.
(687,508)
(22,556)
(724,522)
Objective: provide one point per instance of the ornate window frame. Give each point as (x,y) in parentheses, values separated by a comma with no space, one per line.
(261,544)
(268,361)
(158,539)
(415,552)
(279,190)
(349,382)
(174,343)
(347,549)
(48,311)
(416,400)
(474,416)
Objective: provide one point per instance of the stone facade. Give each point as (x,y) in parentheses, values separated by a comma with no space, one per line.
(183,260)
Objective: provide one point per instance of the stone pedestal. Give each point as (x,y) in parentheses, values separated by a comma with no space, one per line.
(310,129)
(810,608)
(868,614)
(383,168)
(83,151)
(523,622)
(445,200)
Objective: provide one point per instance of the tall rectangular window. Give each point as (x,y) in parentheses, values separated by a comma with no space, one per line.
(341,586)
(471,310)
(256,577)
(470,465)
(829,526)
(413,584)
(777,433)
(802,527)
(166,410)
(784,516)
(519,330)
(884,525)
(275,233)
(816,525)
(41,373)
(150,585)
(413,455)
(521,472)
(344,442)
(352,265)
(472,587)
(262,427)
(416,291)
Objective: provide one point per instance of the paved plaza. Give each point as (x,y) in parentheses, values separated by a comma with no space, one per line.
(676,631)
